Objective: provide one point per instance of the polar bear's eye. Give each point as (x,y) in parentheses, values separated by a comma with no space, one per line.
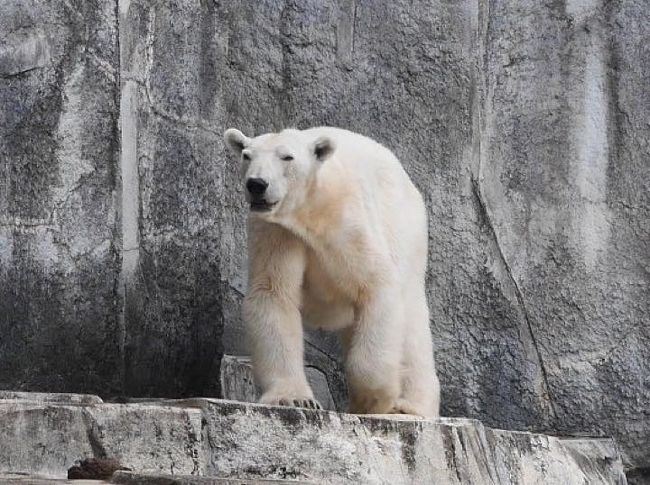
(287,158)
(246,156)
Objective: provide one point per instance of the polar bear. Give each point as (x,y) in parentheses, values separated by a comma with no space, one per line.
(337,240)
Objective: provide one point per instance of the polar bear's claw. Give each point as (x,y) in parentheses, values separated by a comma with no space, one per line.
(297,403)
(313,404)
(307,403)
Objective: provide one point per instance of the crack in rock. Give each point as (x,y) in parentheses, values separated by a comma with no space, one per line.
(476,190)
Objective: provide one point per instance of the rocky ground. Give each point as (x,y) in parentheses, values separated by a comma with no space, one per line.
(47,437)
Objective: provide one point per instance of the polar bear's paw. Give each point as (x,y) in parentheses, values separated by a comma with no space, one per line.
(402,406)
(423,409)
(297,402)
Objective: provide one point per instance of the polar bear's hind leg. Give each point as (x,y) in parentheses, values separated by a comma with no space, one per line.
(420,388)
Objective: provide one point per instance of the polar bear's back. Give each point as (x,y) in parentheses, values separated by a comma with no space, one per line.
(353,146)
(395,203)
(365,156)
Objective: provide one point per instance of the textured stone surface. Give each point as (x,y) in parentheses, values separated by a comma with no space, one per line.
(31,479)
(638,476)
(59,265)
(226,439)
(47,439)
(254,440)
(564,177)
(131,478)
(238,382)
(47,397)
(524,123)
(184,238)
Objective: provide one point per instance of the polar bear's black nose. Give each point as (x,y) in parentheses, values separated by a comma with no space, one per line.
(256,186)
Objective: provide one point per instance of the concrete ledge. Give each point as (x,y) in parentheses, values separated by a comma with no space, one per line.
(135,478)
(248,440)
(47,438)
(227,439)
(132,478)
(26,479)
(50,397)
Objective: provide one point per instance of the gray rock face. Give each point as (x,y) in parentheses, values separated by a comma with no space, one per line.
(638,476)
(59,245)
(564,174)
(183,239)
(225,439)
(525,125)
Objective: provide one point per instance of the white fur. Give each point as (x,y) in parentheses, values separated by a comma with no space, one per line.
(343,249)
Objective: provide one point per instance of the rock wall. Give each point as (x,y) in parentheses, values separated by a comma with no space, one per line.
(60,244)
(525,125)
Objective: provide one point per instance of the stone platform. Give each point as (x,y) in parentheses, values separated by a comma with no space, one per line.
(209,441)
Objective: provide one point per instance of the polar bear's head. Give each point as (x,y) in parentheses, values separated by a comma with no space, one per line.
(278,168)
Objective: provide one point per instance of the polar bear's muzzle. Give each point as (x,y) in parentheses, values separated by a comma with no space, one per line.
(262,206)
(256,188)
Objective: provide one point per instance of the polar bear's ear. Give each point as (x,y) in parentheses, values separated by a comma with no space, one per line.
(323,148)
(236,140)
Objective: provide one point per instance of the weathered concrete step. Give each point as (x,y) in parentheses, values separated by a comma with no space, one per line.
(217,438)
(49,397)
(135,478)
(47,438)
(28,479)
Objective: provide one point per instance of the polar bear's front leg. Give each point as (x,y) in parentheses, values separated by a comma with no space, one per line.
(275,337)
(373,346)
(272,317)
